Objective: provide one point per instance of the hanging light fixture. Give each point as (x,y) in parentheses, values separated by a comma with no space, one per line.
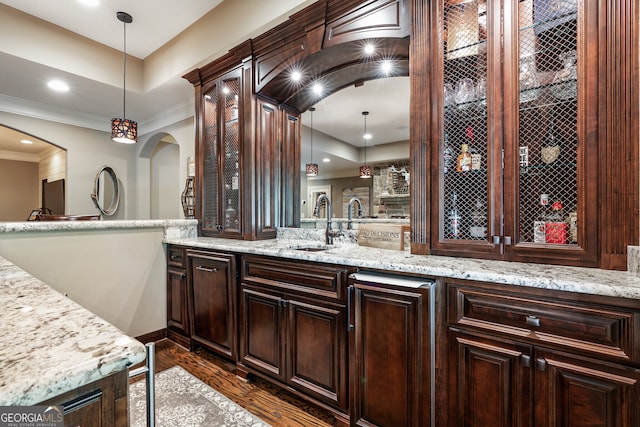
(122,129)
(365,171)
(311,168)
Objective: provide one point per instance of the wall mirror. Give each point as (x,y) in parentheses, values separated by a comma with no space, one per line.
(106,192)
(339,149)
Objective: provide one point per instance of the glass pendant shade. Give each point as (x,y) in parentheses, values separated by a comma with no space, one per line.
(124,131)
(312,169)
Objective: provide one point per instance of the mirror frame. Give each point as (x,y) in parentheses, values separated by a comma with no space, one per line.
(115,200)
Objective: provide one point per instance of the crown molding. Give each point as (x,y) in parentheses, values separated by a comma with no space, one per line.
(67,116)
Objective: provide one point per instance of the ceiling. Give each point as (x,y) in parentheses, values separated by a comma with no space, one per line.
(155,24)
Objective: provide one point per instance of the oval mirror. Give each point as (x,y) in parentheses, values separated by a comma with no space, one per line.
(106,194)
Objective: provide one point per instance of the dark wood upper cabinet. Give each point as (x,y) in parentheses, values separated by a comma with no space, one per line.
(522,94)
(517,93)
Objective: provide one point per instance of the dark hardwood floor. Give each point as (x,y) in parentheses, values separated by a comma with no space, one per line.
(272,404)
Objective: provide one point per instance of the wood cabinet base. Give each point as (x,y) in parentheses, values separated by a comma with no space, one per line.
(100,403)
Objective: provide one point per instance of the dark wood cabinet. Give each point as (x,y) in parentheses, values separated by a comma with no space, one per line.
(177,301)
(212,301)
(572,390)
(391,353)
(101,403)
(527,358)
(293,319)
(528,88)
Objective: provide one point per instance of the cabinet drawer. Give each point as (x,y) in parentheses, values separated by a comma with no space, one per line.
(597,328)
(317,278)
(175,256)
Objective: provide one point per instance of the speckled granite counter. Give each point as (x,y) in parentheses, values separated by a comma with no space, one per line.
(572,279)
(50,344)
(174,228)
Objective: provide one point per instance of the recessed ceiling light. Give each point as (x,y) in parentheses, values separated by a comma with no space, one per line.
(386,67)
(58,85)
(317,89)
(26,141)
(369,48)
(367,136)
(91,3)
(296,76)
(326,160)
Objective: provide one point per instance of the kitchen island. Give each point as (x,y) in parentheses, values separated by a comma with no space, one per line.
(51,346)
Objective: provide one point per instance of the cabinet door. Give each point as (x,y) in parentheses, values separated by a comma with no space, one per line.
(220,156)
(580,392)
(262,331)
(177,318)
(267,172)
(551,129)
(468,155)
(490,382)
(317,350)
(390,358)
(518,133)
(208,153)
(213,301)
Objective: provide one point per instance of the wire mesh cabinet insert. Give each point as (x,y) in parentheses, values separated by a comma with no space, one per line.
(517,131)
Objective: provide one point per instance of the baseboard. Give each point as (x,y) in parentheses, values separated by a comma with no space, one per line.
(179,339)
(152,336)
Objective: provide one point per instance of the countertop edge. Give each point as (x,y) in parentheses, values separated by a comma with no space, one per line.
(544,276)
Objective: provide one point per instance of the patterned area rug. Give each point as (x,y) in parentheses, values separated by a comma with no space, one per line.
(183,400)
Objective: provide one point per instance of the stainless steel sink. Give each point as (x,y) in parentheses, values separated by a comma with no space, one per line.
(311,248)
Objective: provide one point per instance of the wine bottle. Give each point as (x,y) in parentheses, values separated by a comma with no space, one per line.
(454,219)
(476,158)
(464,159)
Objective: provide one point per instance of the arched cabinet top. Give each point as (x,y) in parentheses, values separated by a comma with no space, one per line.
(323,42)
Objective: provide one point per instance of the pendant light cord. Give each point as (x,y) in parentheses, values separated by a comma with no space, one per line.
(311,156)
(124,72)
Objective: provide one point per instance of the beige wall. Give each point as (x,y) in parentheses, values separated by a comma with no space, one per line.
(120,275)
(19,189)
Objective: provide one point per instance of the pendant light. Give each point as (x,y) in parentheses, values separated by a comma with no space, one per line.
(365,171)
(311,168)
(124,130)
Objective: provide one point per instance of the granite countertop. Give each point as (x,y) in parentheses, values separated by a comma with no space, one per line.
(572,279)
(50,344)
(189,225)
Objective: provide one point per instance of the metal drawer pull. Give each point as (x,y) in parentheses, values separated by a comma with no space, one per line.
(350,325)
(206,269)
(175,257)
(533,321)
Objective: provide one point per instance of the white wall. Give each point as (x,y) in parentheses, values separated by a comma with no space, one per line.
(120,275)
(165,182)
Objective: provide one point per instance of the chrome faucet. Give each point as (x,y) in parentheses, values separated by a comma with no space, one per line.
(350,211)
(316,211)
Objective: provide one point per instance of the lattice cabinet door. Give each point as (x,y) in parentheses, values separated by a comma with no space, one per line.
(517,149)
(220,150)
(468,90)
(550,114)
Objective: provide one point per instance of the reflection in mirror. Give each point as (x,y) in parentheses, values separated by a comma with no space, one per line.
(25,169)
(338,148)
(106,192)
